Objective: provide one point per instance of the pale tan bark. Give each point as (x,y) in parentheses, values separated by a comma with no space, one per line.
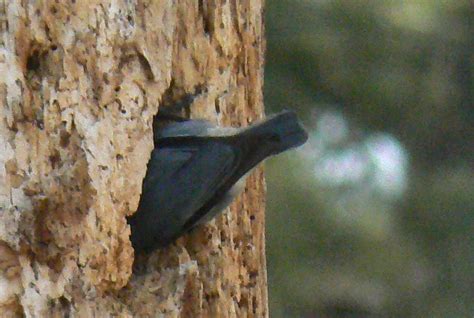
(80,82)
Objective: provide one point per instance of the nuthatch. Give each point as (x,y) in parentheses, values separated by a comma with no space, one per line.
(196,169)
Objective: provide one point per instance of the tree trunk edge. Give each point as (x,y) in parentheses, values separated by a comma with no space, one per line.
(82,83)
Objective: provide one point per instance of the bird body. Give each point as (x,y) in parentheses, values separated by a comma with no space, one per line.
(196,169)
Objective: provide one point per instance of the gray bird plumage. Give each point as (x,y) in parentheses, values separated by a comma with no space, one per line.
(194,172)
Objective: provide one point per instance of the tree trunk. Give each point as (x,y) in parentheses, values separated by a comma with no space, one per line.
(80,82)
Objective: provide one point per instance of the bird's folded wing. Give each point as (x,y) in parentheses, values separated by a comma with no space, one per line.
(179,181)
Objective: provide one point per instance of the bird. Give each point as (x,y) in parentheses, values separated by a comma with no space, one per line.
(196,169)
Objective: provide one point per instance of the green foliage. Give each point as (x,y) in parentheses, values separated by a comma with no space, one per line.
(346,249)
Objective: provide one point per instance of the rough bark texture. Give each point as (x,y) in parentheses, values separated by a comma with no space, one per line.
(80,82)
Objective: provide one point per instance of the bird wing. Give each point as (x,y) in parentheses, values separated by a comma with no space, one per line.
(180,180)
(184,128)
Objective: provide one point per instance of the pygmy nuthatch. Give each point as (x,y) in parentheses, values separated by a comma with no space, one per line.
(196,169)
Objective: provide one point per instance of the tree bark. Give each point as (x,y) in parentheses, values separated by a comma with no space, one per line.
(80,82)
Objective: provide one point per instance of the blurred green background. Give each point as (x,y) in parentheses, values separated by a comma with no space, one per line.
(374,216)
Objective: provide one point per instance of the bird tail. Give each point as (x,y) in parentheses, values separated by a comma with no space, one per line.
(278,132)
